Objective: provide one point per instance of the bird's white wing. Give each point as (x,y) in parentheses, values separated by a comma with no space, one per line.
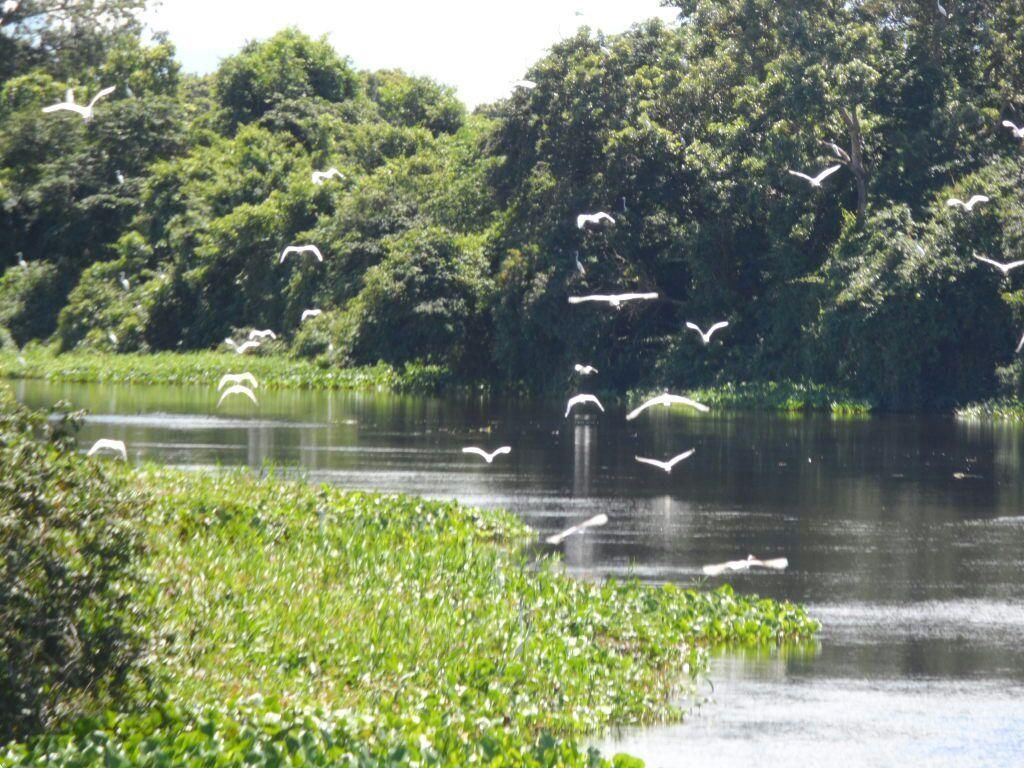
(825,174)
(803,176)
(237,389)
(595,297)
(1020,346)
(953,202)
(310,313)
(596,520)
(102,94)
(641,408)
(654,463)
(779,563)
(478,451)
(105,444)
(67,107)
(680,400)
(581,220)
(246,346)
(719,568)
(694,327)
(231,343)
(718,326)
(975,199)
(998,264)
(1008,124)
(681,457)
(316,252)
(636,296)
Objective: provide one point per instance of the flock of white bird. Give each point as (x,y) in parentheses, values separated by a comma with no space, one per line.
(243,384)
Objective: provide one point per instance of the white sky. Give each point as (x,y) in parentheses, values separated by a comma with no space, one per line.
(478,46)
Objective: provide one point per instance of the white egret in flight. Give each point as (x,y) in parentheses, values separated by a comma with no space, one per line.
(1004,268)
(299,250)
(942,8)
(69,105)
(668,401)
(308,313)
(953,202)
(261,335)
(667,465)
(319,177)
(528,85)
(595,521)
(238,378)
(584,370)
(106,444)
(1018,133)
(580,400)
(778,564)
(488,457)
(595,219)
(614,300)
(706,337)
(237,389)
(815,181)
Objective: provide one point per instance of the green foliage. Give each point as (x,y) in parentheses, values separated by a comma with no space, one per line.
(29,299)
(286,67)
(415,101)
(423,302)
(392,630)
(68,551)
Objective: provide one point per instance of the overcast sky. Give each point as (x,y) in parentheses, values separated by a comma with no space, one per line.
(478,46)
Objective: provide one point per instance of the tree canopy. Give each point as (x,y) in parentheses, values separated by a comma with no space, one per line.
(452,238)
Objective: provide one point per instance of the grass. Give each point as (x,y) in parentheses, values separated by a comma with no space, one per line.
(206,368)
(999,409)
(784,396)
(292,625)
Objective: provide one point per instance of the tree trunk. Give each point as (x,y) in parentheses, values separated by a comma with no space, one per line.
(856,163)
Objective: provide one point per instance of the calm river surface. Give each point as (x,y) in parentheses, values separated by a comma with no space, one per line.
(905,536)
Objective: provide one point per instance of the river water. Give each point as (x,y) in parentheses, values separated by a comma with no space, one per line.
(905,536)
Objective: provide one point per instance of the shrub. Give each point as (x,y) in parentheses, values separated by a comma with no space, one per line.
(29,300)
(68,546)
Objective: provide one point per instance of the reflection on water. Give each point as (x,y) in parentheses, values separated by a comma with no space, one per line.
(905,535)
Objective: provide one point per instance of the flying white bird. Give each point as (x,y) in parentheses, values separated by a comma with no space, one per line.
(666,400)
(124,282)
(1004,268)
(593,218)
(261,335)
(529,85)
(1018,133)
(706,337)
(579,265)
(593,522)
(105,444)
(69,103)
(238,378)
(237,389)
(300,249)
(308,313)
(488,457)
(953,202)
(667,465)
(580,400)
(743,565)
(319,177)
(584,370)
(815,181)
(942,9)
(615,300)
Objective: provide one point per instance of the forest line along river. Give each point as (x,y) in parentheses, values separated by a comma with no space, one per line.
(905,536)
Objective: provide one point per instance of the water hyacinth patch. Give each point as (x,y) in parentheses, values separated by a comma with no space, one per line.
(294,625)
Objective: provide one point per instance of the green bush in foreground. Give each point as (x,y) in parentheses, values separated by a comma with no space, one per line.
(67,544)
(294,625)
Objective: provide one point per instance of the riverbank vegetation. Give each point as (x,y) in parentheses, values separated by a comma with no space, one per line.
(221,619)
(206,368)
(451,240)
